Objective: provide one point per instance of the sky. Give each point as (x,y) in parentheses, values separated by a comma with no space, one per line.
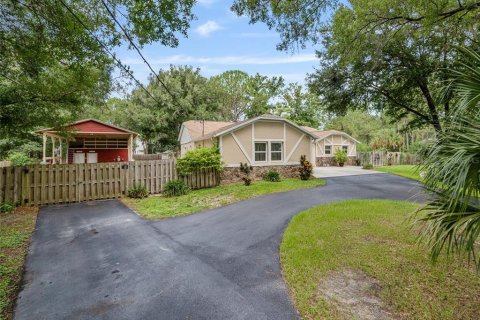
(218,41)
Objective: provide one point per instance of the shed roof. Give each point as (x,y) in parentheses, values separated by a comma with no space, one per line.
(89,126)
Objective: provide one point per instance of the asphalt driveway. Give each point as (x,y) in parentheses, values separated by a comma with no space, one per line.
(333,171)
(100,260)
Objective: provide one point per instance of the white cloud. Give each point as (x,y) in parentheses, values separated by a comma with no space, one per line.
(207,28)
(228,60)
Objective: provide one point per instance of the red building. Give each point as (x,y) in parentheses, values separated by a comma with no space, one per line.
(87,141)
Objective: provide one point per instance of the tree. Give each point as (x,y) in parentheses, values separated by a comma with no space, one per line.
(451,222)
(244,96)
(300,106)
(261,92)
(386,55)
(189,96)
(359,124)
(54,54)
(231,85)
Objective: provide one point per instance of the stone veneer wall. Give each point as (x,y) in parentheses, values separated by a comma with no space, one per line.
(330,161)
(230,175)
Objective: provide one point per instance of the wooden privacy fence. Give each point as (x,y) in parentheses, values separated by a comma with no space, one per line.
(64,183)
(384,158)
(202,179)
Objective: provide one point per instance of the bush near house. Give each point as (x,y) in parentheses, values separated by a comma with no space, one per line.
(306,168)
(175,188)
(272,176)
(246,170)
(341,157)
(138,192)
(20,159)
(201,158)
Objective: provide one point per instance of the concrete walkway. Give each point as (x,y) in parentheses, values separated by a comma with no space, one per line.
(330,172)
(100,260)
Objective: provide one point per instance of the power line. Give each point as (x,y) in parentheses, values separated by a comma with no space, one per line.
(108,51)
(125,32)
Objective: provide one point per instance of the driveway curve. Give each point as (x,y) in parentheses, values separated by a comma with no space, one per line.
(99,260)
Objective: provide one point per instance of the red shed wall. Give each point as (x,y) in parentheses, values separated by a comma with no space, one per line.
(104,155)
(92,126)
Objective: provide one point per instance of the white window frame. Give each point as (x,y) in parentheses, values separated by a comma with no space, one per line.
(281,151)
(255,152)
(330,150)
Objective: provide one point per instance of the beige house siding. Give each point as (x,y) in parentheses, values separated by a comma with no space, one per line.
(207,143)
(268,130)
(232,154)
(336,142)
(184,148)
(239,145)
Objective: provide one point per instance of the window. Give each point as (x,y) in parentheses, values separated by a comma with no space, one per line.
(260,151)
(328,149)
(345,149)
(276,151)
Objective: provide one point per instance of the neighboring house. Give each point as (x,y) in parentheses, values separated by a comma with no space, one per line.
(265,141)
(87,141)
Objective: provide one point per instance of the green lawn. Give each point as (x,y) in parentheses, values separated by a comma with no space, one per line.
(372,240)
(407,171)
(158,207)
(15,231)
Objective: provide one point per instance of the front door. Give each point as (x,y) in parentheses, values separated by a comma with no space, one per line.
(92,157)
(79,157)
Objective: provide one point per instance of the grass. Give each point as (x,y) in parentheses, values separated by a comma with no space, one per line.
(407,171)
(375,238)
(158,207)
(15,231)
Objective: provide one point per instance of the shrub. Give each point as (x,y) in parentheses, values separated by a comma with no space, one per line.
(201,158)
(6,207)
(272,176)
(175,188)
(341,157)
(20,159)
(246,170)
(367,166)
(306,168)
(138,192)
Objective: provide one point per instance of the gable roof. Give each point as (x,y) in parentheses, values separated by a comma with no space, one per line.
(200,128)
(90,125)
(322,134)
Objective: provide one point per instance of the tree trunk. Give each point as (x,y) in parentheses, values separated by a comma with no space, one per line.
(432,108)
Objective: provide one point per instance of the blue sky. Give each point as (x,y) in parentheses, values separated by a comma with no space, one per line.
(218,41)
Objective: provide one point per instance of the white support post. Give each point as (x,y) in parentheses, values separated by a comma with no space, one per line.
(53,149)
(130,148)
(44,156)
(61,151)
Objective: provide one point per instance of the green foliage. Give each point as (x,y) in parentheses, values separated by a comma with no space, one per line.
(272,176)
(138,192)
(200,158)
(6,207)
(175,188)
(306,168)
(245,96)
(300,106)
(341,157)
(451,222)
(361,147)
(368,166)
(246,169)
(21,159)
(54,66)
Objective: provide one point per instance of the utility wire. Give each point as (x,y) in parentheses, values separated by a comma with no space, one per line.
(125,32)
(108,51)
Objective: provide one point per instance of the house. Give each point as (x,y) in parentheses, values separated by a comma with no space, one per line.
(266,141)
(87,141)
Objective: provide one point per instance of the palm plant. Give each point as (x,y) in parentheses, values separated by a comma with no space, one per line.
(451,221)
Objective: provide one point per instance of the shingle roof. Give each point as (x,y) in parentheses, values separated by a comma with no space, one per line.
(200,129)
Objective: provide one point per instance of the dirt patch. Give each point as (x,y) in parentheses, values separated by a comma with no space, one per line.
(355,295)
